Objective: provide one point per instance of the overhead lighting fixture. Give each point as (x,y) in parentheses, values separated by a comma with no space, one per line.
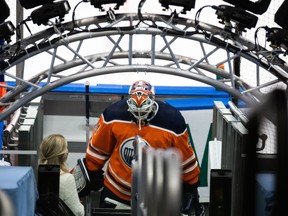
(99,3)
(27,4)
(281,15)
(242,18)
(5,11)
(47,11)
(257,7)
(186,4)
(7,29)
(278,38)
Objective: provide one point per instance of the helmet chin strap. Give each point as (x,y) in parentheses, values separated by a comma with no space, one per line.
(141,123)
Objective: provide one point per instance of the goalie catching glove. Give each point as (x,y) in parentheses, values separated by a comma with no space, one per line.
(86,180)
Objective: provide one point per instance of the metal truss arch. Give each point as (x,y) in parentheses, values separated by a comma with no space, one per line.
(117,48)
(30,95)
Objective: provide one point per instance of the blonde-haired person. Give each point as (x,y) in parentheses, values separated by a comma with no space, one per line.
(54,150)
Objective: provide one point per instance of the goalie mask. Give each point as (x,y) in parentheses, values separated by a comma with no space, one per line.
(141,102)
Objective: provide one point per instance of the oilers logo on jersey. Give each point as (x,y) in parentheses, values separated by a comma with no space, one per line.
(127,151)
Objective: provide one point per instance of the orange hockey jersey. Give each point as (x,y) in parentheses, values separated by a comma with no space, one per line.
(113,136)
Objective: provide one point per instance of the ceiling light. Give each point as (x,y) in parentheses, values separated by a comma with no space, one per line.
(239,16)
(7,29)
(257,7)
(281,15)
(50,10)
(27,4)
(186,4)
(5,11)
(99,3)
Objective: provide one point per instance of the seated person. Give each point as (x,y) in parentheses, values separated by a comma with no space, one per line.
(54,151)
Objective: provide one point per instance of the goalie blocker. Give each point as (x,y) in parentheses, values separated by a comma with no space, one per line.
(86,180)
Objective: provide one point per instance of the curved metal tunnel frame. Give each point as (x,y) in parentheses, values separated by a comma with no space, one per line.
(124,25)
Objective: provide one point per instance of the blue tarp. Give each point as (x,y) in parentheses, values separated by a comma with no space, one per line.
(160,90)
(123,89)
(201,97)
